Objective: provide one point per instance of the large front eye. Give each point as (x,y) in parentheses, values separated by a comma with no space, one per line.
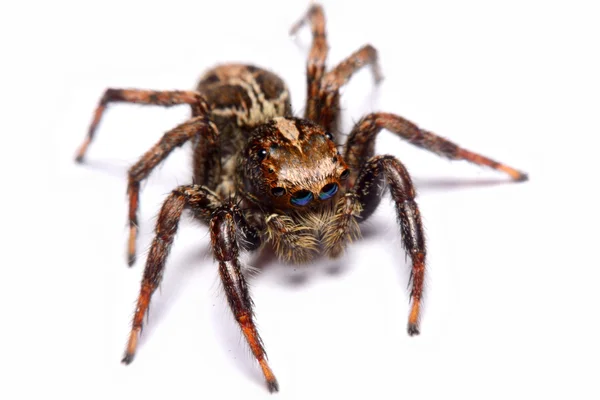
(301,198)
(262,154)
(328,191)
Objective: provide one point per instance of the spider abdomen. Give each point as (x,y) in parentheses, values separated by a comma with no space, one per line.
(244,95)
(241,98)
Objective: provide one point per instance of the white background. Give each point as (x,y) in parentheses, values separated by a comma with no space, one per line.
(513,278)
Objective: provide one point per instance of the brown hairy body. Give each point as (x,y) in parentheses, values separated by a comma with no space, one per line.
(262,176)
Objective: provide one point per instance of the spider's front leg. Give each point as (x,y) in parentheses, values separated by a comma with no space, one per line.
(223,227)
(363,199)
(229,231)
(203,203)
(368,184)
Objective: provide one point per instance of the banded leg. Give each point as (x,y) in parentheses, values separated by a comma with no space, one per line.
(362,200)
(329,95)
(361,144)
(202,202)
(199,126)
(224,240)
(161,98)
(315,67)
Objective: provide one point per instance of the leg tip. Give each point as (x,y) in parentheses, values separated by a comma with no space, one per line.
(79,159)
(131,260)
(273,386)
(522,177)
(413,329)
(127,359)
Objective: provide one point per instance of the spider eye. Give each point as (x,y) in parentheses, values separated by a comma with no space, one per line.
(328,191)
(301,198)
(345,174)
(278,191)
(329,136)
(262,153)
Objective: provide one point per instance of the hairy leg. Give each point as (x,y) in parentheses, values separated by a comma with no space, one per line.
(329,95)
(203,203)
(161,98)
(362,200)
(227,227)
(224,240)
(315,67)
(361,144)
(199,126)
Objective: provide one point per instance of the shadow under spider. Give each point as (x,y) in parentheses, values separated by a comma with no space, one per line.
(290,274)
(116,168)
(443,184)
(296,275)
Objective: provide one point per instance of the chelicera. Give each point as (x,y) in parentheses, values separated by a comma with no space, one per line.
(264,177)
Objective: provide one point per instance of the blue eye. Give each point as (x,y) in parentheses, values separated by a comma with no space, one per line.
(328,191)
(302,198)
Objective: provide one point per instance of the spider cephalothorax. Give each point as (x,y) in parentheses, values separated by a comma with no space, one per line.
(262,176)
(290,163)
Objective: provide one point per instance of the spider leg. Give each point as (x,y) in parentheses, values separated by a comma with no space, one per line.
(329,95)
(227,227)
(315,67)
(161,98)
(341,74)
(413,238)
(197,127)
(225,248)
(362,200)
(361,144)
(202,202)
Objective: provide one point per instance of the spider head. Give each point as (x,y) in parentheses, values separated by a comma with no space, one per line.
(292,163)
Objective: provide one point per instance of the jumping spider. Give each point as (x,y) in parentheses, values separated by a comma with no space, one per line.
(263,176)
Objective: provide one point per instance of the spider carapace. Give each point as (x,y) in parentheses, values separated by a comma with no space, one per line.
(263,176)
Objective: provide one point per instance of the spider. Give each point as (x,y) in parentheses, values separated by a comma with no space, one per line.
(263,176)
